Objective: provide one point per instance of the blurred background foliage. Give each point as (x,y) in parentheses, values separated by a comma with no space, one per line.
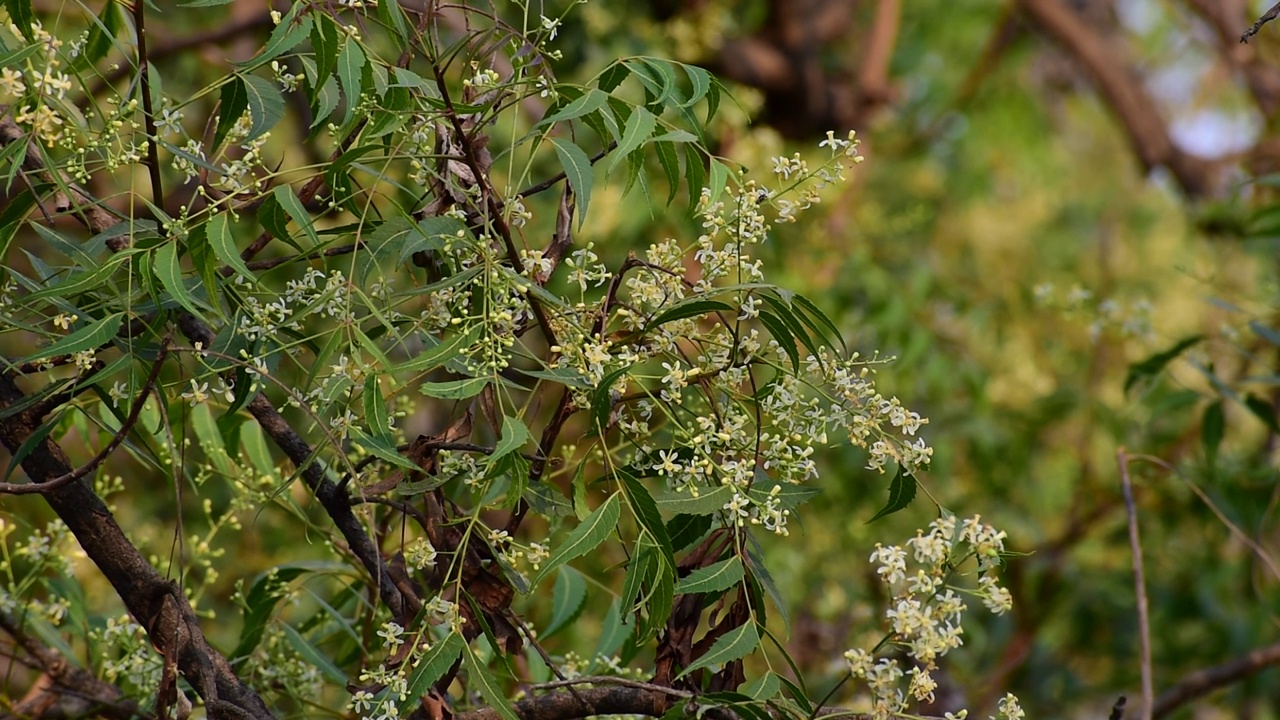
(1024,256)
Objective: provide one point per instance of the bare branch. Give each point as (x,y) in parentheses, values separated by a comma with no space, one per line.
(1203,682)
(1140,587)
(1267,17)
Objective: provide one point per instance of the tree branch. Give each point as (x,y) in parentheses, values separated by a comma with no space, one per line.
(1113,75)
(1203,682)
(158,605)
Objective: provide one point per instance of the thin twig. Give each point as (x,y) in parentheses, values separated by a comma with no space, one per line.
(125,428)
(148,112)
(1267,17)
(1140,588)
(609,680)
(1117,710)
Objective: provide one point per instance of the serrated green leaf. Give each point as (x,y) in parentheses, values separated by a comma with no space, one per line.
(350,68)
(685,529)
(210,438)
(284,37)
(694,173)
(687,308)
(324,41)
(381,446)
(169,270)
(483,680)
(224,247)
(591,101)
(375,407)
(514,436)
(232,102)
(615,631)
(312,654)
(902,490)
(577,168)
(719,178)
(589,534)
(611,77)
(292,206)
(713,578)
(778,331)
(708,502)
(567,600)
(733,645)
(439,355)
(95,335)
(646,512)
(22,16)
(266,105)
(670,163)
(701,81)
(759,573)
(454,389)
(765,687)
(434,663)
(640,127)
(602,400)
(812,316)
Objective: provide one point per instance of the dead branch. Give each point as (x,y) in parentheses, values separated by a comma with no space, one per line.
(1203,682)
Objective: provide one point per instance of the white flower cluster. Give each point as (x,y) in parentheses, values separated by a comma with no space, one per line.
(925,613)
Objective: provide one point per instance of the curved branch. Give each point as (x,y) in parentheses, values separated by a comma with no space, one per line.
(1113,75)
(1203,682)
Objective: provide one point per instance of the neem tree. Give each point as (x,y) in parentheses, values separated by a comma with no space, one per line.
(231,302)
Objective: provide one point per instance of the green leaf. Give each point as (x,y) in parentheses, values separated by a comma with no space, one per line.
(686,529)
(484,681)
(350,66)
(602,400)
(567,600)
(232,103)
(713,578)
(708,502)
(590,102)
(375,407)
(260,604)
(434,663)
(93,335)
(646,512)
(1212,429)
(902,490)
(286,36)
(169,270)
(514,436)
(615,631)
(312,654)
(439,355)
(817,320)
(1154,364)
(719,178)
(733,645)
(640,127)
(589,534)
(577,168)
(324,41)
(23,18)
(290,203)
(760,574)
(778,330)
(454,389)
(765,687)
(692,307)
(381,446)
(224,246)
(1263,410)
(694,172)
(670,163)
(266,105)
